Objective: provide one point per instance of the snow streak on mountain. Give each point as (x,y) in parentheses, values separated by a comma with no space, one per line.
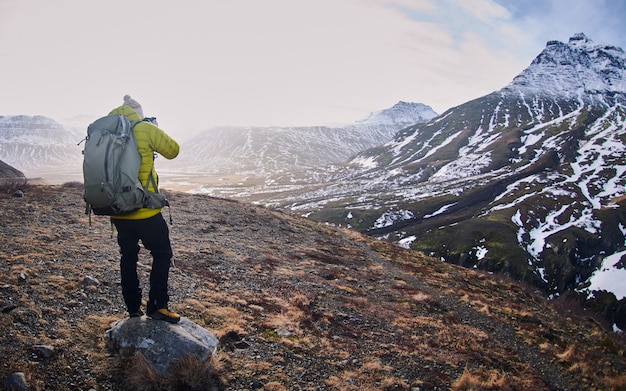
(527,181)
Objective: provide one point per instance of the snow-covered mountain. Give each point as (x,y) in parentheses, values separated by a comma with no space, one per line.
(568,69)
(401,115)
(37,145)
(290,154)
(528,181)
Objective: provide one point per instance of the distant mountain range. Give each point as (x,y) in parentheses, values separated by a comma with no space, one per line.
(43,147)
(288,152)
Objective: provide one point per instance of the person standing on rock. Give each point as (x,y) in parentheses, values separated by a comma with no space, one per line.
(145,224)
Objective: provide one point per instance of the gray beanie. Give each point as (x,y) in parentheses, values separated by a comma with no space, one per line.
(133,104)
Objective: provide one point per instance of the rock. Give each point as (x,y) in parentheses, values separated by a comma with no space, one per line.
(44,351)
(233,340)
(8,308)
(283,333)
(16,381)
(90,281)
(161,343)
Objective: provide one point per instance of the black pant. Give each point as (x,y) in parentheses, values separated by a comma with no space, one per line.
(154,234)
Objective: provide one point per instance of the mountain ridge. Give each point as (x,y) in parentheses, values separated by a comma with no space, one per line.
(275,152)
(521,181)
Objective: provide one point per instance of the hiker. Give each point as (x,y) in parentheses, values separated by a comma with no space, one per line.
(146,224)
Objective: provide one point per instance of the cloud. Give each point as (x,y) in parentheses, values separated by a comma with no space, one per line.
(483,10)
(247,62)
(600,20)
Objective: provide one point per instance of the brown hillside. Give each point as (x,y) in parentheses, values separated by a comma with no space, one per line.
(297,305)
(10,176)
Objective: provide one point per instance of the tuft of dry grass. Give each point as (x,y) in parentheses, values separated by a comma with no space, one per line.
(187,374)
(568,354)
(482,379)
(140,375)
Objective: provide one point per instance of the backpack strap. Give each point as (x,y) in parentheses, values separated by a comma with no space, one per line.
(156,190)
(88,211)
(151,180)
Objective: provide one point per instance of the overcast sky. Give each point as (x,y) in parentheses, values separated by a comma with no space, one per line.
(199,63)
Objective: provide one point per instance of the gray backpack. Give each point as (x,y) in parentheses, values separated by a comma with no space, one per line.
(111,167)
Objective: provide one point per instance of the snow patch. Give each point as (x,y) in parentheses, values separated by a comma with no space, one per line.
(440,210)
(406,242)
(463,167)
(389,218)
(610,277)
(481,252)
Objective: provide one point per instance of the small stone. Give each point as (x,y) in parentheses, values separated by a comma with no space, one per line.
(16,381)
(8,309)
(91,281)
(44,351)
(283,333)
(242,345)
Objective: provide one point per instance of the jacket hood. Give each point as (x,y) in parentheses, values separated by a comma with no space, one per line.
(126,112)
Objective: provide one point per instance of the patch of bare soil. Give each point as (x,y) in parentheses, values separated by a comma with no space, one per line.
(296,304)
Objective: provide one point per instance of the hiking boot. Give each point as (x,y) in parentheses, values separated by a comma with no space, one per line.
(166,315)
(136,314)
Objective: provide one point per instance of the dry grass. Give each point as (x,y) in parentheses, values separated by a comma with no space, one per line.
(482,379)
(188,374)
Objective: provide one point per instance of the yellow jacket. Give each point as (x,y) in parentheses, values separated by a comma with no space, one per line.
(150,139)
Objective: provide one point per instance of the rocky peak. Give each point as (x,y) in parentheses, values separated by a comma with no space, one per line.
(564,69)
(579,39)
(402,113)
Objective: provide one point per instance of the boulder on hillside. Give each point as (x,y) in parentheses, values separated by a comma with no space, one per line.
(161,343)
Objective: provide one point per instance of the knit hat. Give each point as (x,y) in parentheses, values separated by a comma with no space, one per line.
(133,104)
